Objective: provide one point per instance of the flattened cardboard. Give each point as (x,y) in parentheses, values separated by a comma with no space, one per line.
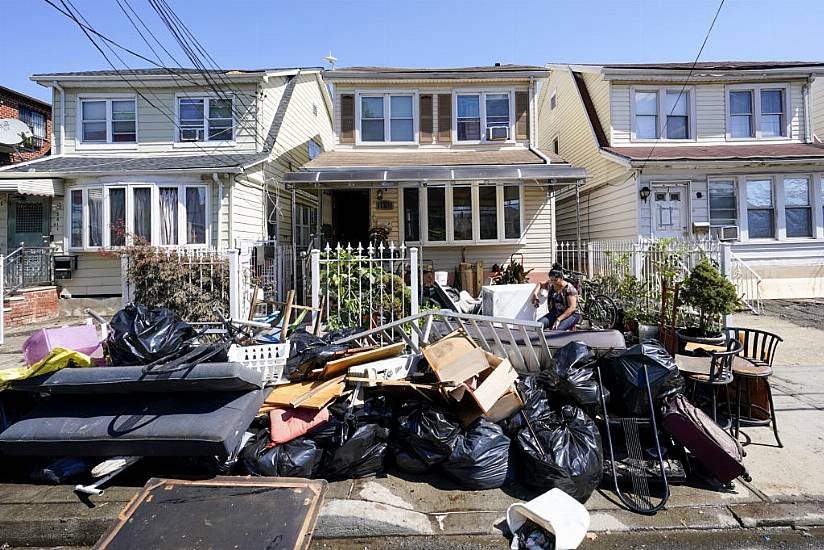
(461,369)
(494,386)
(339,366)
(448,349)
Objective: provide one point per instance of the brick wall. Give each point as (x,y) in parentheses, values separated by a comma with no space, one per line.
(10,104)
(31,306)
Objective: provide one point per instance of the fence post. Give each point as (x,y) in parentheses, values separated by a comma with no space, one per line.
(636,260)
(590,259)
(414,284)
(315,274)
(125,286)
(234,283)
(2,299)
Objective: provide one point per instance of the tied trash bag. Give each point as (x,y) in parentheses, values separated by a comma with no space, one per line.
(297,458)
(141,335)
(427,432)
(567,454)
(480,459)
(307,352)
(360,455)
(574,376)
(536,405)
(624,376)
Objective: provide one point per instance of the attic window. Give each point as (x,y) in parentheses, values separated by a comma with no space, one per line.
(553,101)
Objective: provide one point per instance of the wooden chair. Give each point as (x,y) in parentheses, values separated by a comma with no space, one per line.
(753,368)
(720,374)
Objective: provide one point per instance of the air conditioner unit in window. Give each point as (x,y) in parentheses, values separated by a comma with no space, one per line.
(191,134)
(497,133)
(726,232)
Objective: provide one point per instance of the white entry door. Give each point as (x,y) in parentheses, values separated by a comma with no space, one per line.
(669,211)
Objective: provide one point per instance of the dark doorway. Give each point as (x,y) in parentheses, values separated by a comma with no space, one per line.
(350,217)
(28,221)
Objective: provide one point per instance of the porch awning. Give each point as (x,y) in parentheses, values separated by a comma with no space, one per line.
(552,174)
(47,187)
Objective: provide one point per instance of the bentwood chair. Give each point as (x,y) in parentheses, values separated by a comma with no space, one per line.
(719,374)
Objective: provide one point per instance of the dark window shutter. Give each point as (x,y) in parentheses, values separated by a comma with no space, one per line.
(444,118)
(521,115)
(347,118)
(425,129)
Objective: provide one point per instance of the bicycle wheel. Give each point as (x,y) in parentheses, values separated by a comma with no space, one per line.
(602,312)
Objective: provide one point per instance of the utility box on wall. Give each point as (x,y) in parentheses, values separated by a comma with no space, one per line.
(64,265)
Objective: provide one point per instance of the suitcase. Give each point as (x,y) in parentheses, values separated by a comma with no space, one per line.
(716,450)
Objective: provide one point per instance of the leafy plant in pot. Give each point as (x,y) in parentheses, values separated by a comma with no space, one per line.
(711,296)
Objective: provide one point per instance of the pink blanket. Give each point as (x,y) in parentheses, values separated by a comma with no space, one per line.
(289,424)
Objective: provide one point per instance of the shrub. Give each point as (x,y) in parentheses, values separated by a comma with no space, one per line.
(710,293)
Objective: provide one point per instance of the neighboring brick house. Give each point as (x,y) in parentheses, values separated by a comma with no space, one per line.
(37,115)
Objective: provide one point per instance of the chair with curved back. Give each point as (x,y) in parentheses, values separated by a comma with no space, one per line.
(719,374)
(754,365)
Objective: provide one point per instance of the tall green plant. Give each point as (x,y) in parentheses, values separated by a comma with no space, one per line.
(710,293)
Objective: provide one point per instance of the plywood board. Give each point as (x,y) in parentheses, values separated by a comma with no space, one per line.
(448,349)
(338,366)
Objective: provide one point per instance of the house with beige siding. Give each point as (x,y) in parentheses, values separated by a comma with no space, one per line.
(728,149)
(443,159)
(178,158)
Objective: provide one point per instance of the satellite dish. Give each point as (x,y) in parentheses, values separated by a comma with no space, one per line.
(13,131)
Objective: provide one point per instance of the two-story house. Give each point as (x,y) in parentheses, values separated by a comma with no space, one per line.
(445,160)
(672,150)
(174,158)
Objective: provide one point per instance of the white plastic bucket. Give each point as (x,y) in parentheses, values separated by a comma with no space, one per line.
(442,277)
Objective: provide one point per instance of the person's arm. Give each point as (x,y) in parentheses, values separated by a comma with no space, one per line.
(536,292)
(572,307)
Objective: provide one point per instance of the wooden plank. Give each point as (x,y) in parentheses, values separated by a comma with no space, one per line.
(310,394)
(287,315)
(333,368)
(448,349)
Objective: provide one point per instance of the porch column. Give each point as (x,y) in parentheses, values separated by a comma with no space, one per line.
(294,244)
(578,220)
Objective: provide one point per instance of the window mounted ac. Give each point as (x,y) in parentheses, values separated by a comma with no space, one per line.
(191,134)
(726,232)
(497,133)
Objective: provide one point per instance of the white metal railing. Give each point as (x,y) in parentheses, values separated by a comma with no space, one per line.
(747,282)
(365,287)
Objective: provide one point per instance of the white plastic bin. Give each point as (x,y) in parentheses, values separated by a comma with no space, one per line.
(269,359)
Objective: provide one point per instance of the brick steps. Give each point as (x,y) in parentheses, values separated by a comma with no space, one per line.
(30,305)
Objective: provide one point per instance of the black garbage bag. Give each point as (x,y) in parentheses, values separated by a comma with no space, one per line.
(331,337)
(141,335)
(567,454)
(427,432)
(480,459)
(624,376)
(300,457)
(408,462)
(306,353)
(536,405)
(360,455)
(574,376)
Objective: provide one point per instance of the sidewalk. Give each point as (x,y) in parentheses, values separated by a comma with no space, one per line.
(787,488)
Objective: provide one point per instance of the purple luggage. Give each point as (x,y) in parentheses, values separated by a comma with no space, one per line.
(82,338)
(716,450)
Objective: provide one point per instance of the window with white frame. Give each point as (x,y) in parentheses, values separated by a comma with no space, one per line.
(108,120)
(113,215)
(205,119)
(314,149)
(462,213)
(387,118)
(662,114)
(798,212)
(723,206)
(757,112)
(477,111)
(760,208)
(305,225)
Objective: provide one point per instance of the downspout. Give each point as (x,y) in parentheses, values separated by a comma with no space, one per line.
(805,94)
(533,121)
(219,182)
(58,87)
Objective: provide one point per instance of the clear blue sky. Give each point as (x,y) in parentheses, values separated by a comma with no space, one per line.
(258,33)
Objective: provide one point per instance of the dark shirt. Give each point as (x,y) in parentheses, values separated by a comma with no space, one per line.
(558,300)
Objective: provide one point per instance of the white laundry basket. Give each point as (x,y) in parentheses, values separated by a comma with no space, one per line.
(269,359)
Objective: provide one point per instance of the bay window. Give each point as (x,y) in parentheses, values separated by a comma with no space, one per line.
(477,111)
(116,215)
(756,111)
(760,209)
(107,120)
(205,119)
(797,207)
(387,118)
(723,209)
(466,213)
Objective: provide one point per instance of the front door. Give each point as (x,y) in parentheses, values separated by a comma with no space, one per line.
(669,210)
(28,221)
(350,217)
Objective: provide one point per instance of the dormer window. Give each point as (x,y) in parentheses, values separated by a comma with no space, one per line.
(476,113)
(204,119)
(662,113)
(387,118)
(757,111)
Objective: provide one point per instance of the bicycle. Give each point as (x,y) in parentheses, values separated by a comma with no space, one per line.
(596,308)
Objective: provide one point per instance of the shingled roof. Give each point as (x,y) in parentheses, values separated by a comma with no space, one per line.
(755,151)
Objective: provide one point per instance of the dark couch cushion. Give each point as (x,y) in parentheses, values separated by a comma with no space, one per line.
(205,377)
(156,424)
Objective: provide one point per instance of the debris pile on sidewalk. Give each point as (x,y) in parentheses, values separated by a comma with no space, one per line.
(352,403)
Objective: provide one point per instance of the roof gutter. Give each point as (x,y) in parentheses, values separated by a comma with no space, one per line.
(711,163)
(609,155)
(532,121)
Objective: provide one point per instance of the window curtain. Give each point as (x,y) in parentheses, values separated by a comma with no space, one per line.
(95,202)
(196,215)
(143,214)
(117,217)
(168,215)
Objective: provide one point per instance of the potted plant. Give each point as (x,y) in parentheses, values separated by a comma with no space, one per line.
(711,296)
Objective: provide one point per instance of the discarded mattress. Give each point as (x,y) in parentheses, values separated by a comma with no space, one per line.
(152,424)
(205,377)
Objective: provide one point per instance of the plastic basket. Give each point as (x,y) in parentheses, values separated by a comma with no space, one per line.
(269,359)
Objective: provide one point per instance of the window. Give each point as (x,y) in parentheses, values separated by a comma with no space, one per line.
(556,146)
(723,209)
(305,226)
(314,149)
(760,211)
(797,207)
(477,111)
(462,213)
(646,115)
(678,120)
(108,121)
(757,112)
(37,123)
(205,119)
(387,118)
(553,101)
(165,215)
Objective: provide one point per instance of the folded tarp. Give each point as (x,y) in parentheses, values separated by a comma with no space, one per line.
(205,377)
(155,424)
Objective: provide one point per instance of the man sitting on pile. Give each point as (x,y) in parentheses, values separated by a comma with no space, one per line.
(562,302)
